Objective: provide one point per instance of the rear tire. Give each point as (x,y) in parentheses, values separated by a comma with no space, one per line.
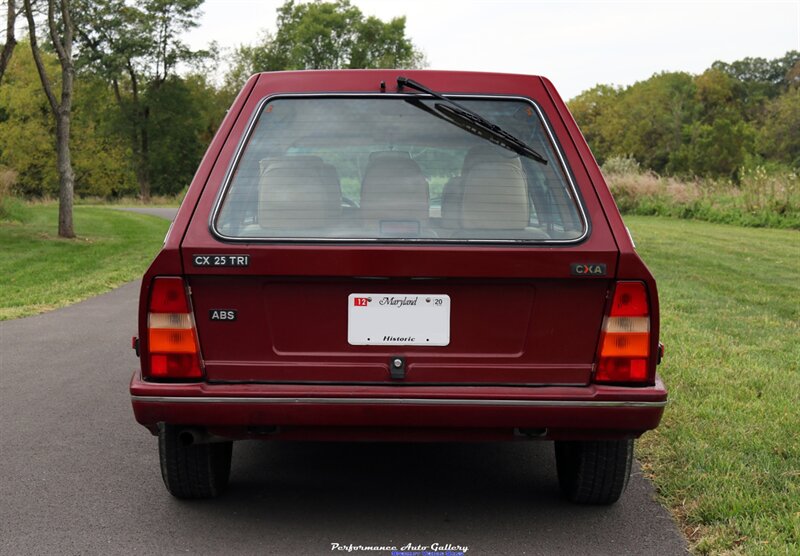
(193,471)
(594,472)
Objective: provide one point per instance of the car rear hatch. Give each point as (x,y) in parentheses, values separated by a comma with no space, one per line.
(448,261)
(266,323)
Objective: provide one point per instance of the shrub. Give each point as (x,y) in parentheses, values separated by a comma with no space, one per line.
(622,165)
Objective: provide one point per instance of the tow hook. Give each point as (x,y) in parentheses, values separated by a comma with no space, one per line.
(135,345)
(397,368)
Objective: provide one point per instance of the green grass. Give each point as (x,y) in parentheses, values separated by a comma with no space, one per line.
(42,272)
(726,458)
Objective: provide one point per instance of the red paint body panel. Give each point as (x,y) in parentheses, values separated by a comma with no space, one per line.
(523,328)
(528,348)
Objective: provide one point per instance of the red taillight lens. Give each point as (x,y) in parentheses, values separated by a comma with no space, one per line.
(630,300)
(172,346)
(174,365)
(625,340)
(168,295)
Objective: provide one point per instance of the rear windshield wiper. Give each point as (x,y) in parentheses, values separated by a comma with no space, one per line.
(473,122)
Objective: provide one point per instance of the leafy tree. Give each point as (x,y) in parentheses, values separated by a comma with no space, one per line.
(597,110)
(61,31)
(710,124)
(384,45)
(137,47)
(11,40)
(27,127)
(210,103)
(103,165)
(779,139)
(771,74)
(101,160)
(326,35)
(174,156)
(715,149)
(718,139)
(644,121)
(655,112)
(759,80)
(793,75)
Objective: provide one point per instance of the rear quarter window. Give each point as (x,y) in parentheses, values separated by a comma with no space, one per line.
(391,168)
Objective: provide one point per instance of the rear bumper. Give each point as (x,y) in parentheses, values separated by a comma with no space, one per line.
(328,411)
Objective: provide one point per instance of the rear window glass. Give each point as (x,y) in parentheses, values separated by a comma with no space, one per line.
(391,168)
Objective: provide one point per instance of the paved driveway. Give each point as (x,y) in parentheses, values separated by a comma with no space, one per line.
(78,475)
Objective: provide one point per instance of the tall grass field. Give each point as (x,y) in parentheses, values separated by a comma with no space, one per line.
(760,198)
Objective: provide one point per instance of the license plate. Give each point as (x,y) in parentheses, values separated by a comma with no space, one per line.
(392,319)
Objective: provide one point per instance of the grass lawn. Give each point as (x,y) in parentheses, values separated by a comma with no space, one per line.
(41,272)
(726,458)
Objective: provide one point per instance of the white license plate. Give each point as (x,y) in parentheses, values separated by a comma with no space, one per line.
(396,319)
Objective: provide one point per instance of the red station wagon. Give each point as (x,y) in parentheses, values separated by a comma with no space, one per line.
(398,255)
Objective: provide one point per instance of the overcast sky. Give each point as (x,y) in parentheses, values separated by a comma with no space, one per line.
(575,44)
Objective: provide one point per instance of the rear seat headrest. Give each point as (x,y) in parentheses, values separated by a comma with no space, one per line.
(308,159)
(394,188)
(375,155)
(495,196)
(298,192)
(488,153)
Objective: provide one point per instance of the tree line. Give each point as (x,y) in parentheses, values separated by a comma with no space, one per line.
(731,117)
(105,97)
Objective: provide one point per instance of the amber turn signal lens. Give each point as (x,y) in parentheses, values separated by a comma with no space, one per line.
(170,340)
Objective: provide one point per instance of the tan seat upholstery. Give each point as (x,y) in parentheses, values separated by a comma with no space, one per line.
(298,193)
(490,194)
(488,153)
(452,195)
(394,189)
(495,193)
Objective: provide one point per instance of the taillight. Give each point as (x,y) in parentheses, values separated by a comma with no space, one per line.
(172,347)
(625,339)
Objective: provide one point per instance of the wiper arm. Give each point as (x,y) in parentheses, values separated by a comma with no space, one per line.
(474,122)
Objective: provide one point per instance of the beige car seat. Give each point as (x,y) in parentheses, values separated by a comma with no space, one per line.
(490,194)
(298,193)
(394,195)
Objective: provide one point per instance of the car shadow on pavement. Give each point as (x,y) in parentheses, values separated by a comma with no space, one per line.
(412,476)
(499,498)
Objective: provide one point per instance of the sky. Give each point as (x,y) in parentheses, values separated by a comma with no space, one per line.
(577,45)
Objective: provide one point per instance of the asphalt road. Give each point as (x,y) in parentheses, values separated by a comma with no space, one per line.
(79,476)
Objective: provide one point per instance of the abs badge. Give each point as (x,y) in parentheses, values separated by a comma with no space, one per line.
(222,314)
(221,260)
(588,269)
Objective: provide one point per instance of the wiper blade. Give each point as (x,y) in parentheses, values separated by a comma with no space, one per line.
(489,131)
(475,123)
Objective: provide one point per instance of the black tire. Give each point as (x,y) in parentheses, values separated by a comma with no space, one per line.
(195,470)
(594,472)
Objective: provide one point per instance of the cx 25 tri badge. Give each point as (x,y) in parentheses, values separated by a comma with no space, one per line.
(221,260)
